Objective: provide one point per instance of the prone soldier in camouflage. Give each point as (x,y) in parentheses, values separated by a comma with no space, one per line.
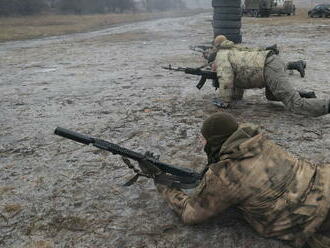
(239,69)
(280,196)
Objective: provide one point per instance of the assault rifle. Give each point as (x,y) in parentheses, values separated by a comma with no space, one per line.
(200,48)
(206,51)
(206,74)
(149,164)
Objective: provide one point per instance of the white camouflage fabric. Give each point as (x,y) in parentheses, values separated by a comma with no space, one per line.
(240,68)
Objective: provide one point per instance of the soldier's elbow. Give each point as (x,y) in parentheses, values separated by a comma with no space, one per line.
(192,217)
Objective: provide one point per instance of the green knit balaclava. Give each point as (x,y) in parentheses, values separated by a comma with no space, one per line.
(216,130)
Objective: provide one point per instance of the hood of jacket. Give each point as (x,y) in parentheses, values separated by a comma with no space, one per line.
(245,142)
(227,44)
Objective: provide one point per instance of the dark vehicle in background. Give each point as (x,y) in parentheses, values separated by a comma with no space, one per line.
(284,8)
(257,7)
(320,10)
(265,8)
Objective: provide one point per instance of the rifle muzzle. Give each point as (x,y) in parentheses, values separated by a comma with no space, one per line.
(74,136)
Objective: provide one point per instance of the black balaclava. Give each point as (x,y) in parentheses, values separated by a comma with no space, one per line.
(216,130)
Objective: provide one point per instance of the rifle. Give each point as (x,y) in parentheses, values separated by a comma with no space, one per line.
(206,74)
(167,174)
(206,51)
(200,48)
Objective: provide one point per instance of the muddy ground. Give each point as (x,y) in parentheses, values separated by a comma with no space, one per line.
(109,84)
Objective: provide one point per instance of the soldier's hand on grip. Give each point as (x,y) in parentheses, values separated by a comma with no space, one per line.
(149,168)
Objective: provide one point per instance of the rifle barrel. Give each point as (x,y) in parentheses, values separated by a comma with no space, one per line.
(81,138)
(116,149)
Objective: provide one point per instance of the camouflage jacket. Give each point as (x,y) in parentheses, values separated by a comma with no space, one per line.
(239,67)
(212,53)
(280,196)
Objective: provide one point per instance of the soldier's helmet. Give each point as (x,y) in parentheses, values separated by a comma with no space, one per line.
(218,127)
(218,40)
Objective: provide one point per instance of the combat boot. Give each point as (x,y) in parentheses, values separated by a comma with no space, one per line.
(299,65)
(306,94)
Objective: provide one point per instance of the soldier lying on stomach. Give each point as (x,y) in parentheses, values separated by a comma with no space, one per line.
(279,195)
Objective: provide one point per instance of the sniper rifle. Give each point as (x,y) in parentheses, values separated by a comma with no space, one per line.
(149,164)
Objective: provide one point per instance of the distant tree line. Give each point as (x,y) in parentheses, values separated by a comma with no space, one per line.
(31,7)
(21,7)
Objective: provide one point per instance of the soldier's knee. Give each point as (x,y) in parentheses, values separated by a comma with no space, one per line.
(269,95)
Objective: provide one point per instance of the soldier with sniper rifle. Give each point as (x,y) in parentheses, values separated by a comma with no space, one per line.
(279,195)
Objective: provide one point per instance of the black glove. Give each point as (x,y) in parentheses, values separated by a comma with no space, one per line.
(274,49)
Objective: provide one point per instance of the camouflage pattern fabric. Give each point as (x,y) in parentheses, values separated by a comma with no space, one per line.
(277,82)
(280,196)
(229,45)
(321,239)
(236,93)
(239,68)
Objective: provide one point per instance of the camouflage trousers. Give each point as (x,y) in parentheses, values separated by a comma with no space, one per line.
(277,81)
